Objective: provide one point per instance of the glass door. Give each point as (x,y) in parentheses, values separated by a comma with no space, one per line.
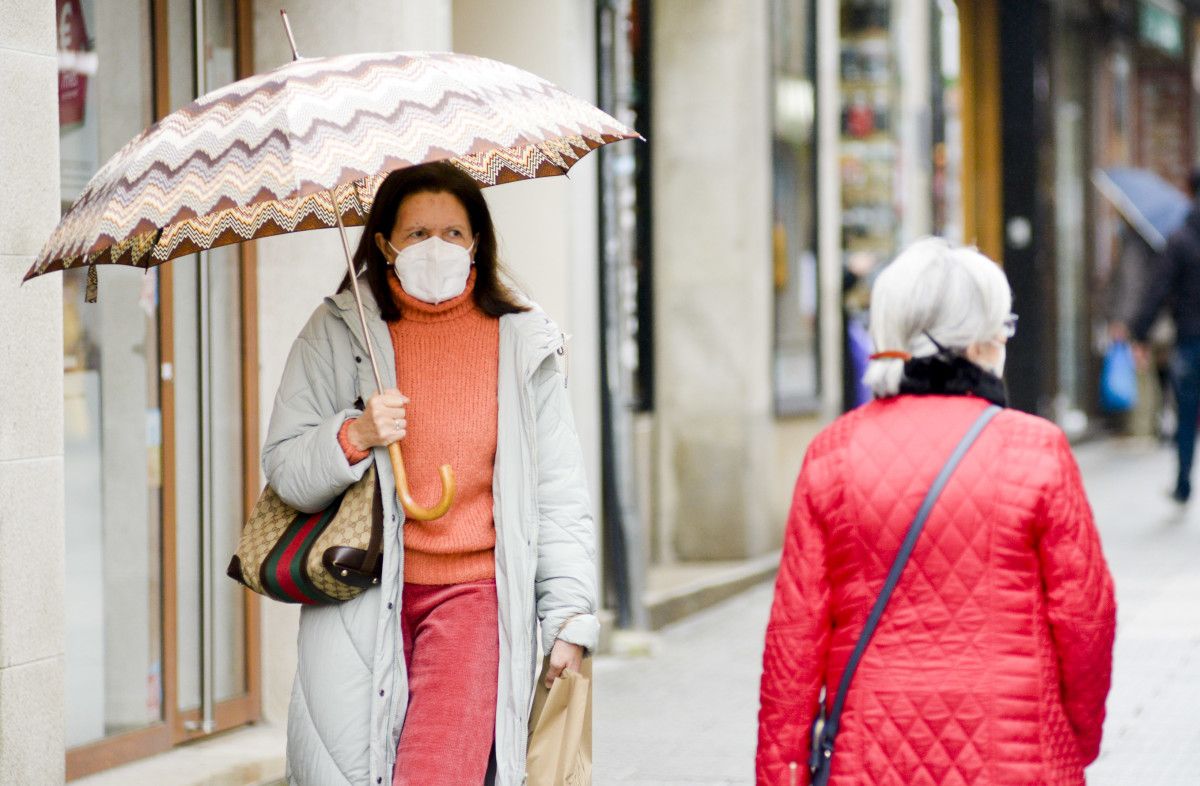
(160,385)
(112,412)
(215,689)
(1070,154)
(795,350)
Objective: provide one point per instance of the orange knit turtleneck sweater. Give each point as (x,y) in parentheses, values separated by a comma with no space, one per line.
(447,364)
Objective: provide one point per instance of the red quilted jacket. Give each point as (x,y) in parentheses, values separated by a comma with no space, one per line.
(992,661)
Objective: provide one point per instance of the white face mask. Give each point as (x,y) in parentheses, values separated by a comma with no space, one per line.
(433,270)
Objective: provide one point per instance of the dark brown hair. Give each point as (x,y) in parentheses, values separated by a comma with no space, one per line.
(491,294)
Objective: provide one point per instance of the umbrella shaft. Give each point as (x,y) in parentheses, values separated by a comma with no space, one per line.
(362,316)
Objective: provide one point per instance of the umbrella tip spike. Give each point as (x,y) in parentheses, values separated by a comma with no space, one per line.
(287,28)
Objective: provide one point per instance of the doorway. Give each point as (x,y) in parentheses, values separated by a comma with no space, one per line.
(160,387)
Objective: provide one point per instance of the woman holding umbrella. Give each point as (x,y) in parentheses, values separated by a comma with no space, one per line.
(429,679)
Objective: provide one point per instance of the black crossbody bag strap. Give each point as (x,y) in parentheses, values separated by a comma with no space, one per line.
(823,752)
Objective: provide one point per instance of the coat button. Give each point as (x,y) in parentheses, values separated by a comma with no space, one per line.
(389,605)
(379,779)
(380,693)
(357,358)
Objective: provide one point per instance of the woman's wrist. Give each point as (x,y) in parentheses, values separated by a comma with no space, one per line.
(354,438)
(351,445)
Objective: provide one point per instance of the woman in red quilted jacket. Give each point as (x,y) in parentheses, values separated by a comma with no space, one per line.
(992,660)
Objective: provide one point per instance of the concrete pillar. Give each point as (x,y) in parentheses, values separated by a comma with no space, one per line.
(296,271)
(712,256)
(548,227)
(31,405)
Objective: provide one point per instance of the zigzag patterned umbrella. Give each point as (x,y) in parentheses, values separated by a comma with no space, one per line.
(273,153)
(305,147)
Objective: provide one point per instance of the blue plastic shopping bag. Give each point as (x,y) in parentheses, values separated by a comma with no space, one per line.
(1118,378)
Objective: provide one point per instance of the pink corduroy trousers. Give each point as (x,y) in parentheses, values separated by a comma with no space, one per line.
(452,649)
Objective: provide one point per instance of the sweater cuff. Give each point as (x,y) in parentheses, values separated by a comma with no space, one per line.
(353,454)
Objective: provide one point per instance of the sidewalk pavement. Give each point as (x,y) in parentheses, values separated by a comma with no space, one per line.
(687,713)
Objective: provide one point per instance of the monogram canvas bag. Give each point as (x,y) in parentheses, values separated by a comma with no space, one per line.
(324,557)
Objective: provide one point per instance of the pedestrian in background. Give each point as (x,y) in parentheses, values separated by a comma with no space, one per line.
(434,670)
(1176,280)
(1153,415)
(992,660)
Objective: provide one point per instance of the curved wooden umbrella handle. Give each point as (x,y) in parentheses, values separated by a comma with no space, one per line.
(411,508)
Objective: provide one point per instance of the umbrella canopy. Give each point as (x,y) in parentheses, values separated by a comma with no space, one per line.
(305,147)
(1151,205)
(276,152)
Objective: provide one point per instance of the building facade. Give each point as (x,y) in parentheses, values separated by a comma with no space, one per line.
(1085,86)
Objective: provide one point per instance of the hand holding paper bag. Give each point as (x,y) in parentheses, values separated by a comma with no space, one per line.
(560,730)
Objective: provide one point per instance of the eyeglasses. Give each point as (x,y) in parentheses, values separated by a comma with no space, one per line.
(1010,326)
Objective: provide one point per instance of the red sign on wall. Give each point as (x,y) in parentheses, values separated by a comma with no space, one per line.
(72,76)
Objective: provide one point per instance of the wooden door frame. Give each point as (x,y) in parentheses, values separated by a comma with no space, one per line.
(983,206)
(159,737)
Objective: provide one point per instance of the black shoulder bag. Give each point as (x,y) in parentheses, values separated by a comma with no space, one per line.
(825,728)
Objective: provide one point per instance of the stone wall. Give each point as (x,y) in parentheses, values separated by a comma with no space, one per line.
(31,401)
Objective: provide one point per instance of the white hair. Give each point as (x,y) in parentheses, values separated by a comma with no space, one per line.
(954,294)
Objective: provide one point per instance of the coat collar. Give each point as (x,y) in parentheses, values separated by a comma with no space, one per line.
(951,374)
(535,333)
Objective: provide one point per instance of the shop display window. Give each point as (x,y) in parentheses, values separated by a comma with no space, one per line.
(159,643)
(796,360)
(112,406)
(869,153)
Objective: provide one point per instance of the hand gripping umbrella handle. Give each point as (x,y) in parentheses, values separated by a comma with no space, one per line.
(411,508)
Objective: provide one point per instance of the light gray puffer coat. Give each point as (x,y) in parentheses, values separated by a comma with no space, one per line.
(351,689)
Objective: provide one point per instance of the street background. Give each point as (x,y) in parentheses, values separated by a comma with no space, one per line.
(714,281)
(688,715)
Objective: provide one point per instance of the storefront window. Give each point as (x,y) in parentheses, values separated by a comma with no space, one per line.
(946,104)
(1113,99)
(871,178)
(1164,134)
(868,135)
(208,408)
(901,147)
(154,501)
(113,420)
(794,231)
(1071,150)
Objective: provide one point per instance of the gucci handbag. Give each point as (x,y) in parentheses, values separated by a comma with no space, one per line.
(315,558)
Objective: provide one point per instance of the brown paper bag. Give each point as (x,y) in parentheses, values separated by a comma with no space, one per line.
(560,730)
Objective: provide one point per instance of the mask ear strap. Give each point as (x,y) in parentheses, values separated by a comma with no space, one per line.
(940,348)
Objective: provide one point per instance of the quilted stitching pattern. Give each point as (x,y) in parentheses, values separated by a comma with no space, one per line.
(992,661)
